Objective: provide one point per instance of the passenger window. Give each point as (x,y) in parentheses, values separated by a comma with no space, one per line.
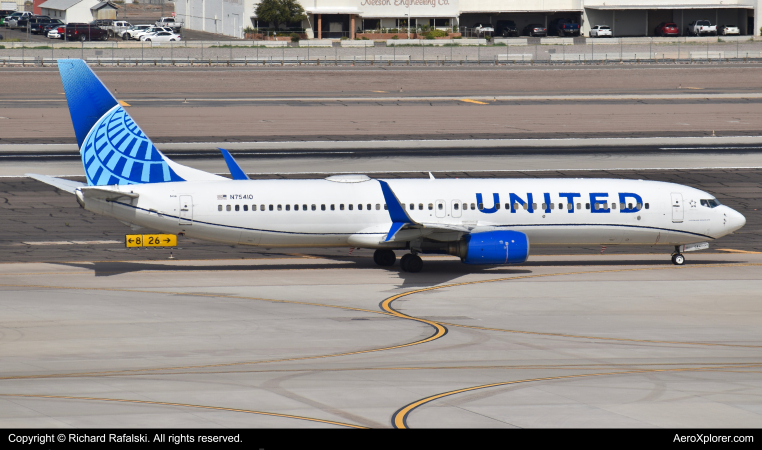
(359,207)
(638,205)
(378,207)
(296,208)
(569,206)
(544,206)
(385,207)
(455,206)
(606,206)
(227,208)
(271,208)
(629,206)
(440,206)
(219,207)
(351,206)
(587,205)
(341,206)
(515,206)
(497,206)
(412,207)
(280,208)
(473,206)
(420,206)
(534,205)
(370,206)
(613,205)
(507,206)
(262,207)
(465,206)
(333,207)
(431,206)
(552,206)
(245,207)
(597,206)
(322,207)
(646,205)
(481,206)
(526,206)
(579,205)
(314,207)
(253,207)
(304,207)
(560,206)
(288,207)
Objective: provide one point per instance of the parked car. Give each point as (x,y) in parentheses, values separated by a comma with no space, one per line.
(38,26)
(138,36)
(114,27)
(53,24)
(727,30)
(535,29)
(29,21)
(56,33)
(3,14)
(481,29)
(131,33)
(563,27)
(601,31)
(170,22)
(506,28)
(84,32)
(12,20)
(699,27)
(667,29)
(161,36)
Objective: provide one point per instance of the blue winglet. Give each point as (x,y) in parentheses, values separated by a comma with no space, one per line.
(233,167)
(397,213)
(393,230)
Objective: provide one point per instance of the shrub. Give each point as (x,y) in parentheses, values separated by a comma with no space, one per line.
(2,46)
(394,30)
(248,30)
(436,33)
(294,37)
(428,36)
(365,39)
(395,37)
(344,38)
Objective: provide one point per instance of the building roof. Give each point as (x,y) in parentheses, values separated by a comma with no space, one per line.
(61,5)
(676,6)
(102,4)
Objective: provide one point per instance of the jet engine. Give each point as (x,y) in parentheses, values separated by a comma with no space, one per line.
(492,247)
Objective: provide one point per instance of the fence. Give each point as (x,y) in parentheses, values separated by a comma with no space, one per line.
(428,52)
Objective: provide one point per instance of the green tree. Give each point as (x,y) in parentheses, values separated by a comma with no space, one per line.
(280,11)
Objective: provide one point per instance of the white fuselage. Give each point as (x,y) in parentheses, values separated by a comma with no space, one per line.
(324,213)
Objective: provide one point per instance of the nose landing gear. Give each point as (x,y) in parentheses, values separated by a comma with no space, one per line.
(677,258)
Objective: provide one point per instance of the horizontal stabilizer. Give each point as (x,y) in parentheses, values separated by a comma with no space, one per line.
(64,185)
(106,194)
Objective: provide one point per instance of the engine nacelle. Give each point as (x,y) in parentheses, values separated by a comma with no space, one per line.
(492,247)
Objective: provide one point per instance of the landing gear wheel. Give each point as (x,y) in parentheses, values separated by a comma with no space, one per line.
(678,259)
(384,258)
(411,263)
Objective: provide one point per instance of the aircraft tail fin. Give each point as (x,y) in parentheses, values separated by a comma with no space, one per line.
(114,149)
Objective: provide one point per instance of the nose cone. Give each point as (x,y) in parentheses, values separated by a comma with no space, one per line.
(735,220)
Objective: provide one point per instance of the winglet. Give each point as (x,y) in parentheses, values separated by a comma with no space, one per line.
(233,167)
(431,176)
(397,213)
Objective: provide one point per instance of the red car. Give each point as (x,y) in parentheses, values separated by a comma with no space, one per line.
(667,29)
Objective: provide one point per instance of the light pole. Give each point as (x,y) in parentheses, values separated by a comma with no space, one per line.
(409,7)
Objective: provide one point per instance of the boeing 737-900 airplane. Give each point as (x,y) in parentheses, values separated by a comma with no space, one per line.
(481,221)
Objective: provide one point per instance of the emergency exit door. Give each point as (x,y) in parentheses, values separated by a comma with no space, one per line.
(186,210)
(677,207)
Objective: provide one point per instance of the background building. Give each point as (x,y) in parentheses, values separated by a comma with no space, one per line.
(337,18)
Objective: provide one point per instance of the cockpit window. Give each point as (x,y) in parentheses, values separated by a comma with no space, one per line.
(710,203)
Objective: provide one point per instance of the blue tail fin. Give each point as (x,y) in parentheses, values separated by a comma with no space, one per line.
(235,170)
(114,149)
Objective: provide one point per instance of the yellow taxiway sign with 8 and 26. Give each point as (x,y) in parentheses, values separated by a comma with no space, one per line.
(150,240)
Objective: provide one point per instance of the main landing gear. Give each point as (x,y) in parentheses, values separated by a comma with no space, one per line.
(409,262)
(677,258)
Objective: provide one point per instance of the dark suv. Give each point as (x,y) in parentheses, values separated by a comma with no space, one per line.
(38,26)
(84,32)
(563,27)
(506,28)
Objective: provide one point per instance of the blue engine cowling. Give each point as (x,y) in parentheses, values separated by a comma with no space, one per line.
(494,247)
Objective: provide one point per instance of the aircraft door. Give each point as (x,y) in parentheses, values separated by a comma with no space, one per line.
(186,210)
(440,208)
(455,208)
(677,207)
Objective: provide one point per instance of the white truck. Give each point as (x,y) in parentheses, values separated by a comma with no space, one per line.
(699,27)
(170,22)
